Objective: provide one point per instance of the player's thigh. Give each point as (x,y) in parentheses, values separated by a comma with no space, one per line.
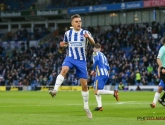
(64,70)
(81,69)
(67,62)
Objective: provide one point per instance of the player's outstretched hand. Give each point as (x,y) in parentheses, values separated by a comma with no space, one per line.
(63,44)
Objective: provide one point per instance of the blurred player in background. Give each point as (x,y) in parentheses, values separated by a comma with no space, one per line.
(100,69)
(161,74)
(162,100)
(76,40)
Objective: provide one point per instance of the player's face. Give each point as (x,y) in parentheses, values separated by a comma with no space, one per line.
(76,23)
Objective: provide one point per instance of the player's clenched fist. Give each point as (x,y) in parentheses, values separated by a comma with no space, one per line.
(93,73)
(63,44)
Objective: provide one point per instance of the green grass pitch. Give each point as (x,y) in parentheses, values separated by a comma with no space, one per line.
(38,108)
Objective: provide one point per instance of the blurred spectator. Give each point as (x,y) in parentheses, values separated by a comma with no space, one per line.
(33,6)
(138,88)
(9,35)
(131,80)
(121,86)
(2,6)
(138,77)
(150,69)
(2,81)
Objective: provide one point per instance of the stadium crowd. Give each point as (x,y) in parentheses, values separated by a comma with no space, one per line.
(7,5)
(131,51)
(23,34)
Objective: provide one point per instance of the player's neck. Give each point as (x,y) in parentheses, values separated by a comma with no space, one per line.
(97,51)
(76,30)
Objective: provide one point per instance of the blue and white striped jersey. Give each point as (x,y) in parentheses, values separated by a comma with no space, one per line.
(100,64)
(77,43)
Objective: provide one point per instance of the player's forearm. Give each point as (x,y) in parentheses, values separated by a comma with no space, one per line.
(159,62)
(91,40)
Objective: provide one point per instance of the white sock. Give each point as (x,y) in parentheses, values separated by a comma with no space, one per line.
(85,96)
(59,81)
(156,97)
(101,92)
(98,99)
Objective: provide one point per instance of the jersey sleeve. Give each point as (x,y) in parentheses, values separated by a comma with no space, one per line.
(161,53)
(90,35)
(95,60)
(65,37)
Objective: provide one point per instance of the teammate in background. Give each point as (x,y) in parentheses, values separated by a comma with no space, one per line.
(162,100)
(161,74)
(100,69)
(76,39)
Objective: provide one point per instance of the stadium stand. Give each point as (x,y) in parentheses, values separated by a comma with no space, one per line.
(130,50)
(7,5)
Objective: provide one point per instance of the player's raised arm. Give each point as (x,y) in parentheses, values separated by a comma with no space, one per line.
(64,43)
(89,38)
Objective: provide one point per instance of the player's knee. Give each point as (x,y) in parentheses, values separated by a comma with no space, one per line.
(95,92)
(64,71)
(160,89)
(84,87)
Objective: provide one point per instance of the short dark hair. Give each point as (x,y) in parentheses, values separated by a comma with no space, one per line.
(164,41)
(97,46)
(75,16)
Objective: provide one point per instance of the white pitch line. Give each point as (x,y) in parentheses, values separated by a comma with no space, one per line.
(119,103)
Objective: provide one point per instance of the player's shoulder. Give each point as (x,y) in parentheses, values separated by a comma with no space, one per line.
(68,31)
(162,48)
(101,53)
(86,31)
(95,53)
